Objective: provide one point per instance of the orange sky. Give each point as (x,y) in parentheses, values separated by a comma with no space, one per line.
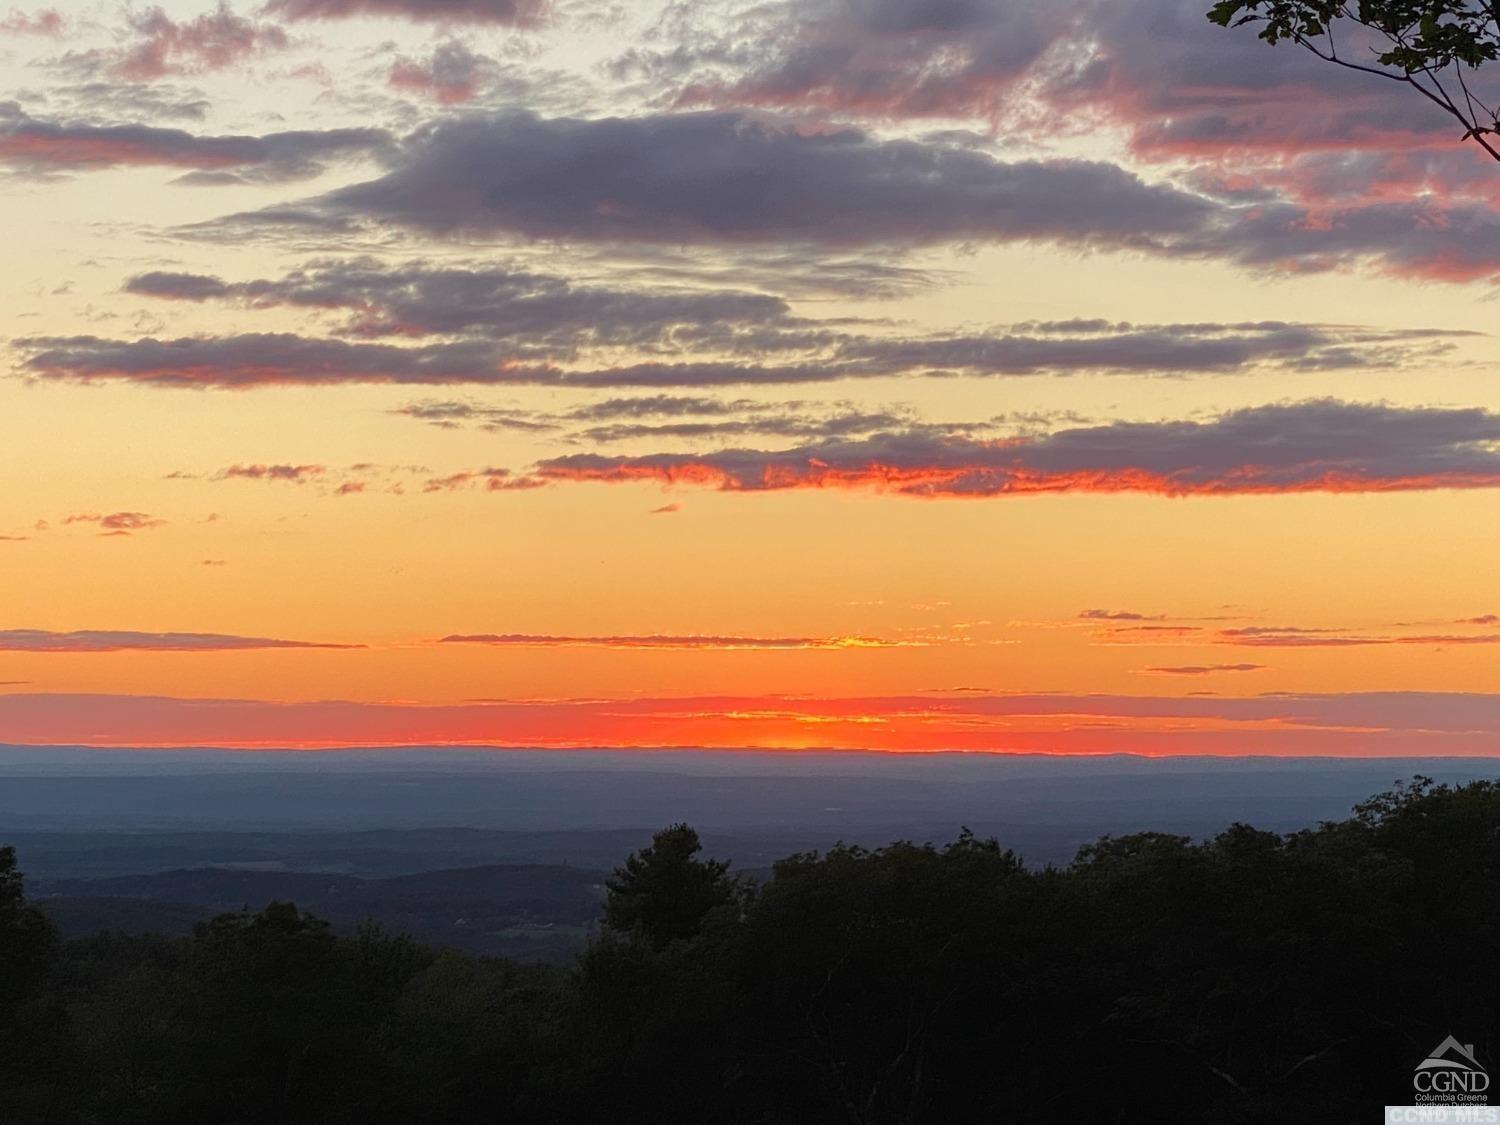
(828,415)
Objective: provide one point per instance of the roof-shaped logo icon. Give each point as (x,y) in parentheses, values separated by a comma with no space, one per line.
(1450,1054)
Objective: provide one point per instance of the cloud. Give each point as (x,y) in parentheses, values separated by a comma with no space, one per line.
(525,309)
(512,13)
(212,41)
(657,406)
(39,147)
(1376,175)
(536,342)
(692,337)
(1181,87)
(171,286)
(878,58)
(126,522)
(1186,91)
(656,640)
(46,22)
(786,421)
(259,359)
(1328,638)
(118,523)
(1029,349)
(1291,636)
(492,480)
(295,474)
(451,75)
(96,640)
(695,178)
(452,415)
(732,181)
(1320,445)
(323,479)
(132,99)
(701,417)
(1204,669)
(1117,615)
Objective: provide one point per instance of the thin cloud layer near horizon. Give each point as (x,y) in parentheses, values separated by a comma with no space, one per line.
(993,375)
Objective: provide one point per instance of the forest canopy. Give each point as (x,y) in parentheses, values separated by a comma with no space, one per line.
(1250,977)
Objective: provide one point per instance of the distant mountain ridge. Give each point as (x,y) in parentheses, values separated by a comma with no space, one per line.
(502,908)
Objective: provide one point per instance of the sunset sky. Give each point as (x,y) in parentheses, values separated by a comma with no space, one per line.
(1063,376)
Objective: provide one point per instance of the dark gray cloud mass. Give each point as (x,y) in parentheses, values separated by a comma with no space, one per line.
(524,341)
(539,315)
(1097,346)
(730,178)
(1372,172)
(262,359)
(1179,85)
(1320,445)
(915,58)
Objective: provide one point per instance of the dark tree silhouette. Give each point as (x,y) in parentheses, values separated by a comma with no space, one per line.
(1432,46)
(26,937)
(664,892)
(28,1022)
(1248,978)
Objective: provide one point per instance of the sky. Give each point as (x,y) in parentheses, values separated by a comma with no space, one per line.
(1062,376)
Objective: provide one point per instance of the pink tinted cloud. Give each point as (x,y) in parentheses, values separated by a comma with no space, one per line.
(294,474)
(451,75)
(46,22)
(213,41)
(1217,107)
(43,146)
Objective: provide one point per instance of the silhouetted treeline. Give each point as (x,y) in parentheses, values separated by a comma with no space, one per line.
(1254,977)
